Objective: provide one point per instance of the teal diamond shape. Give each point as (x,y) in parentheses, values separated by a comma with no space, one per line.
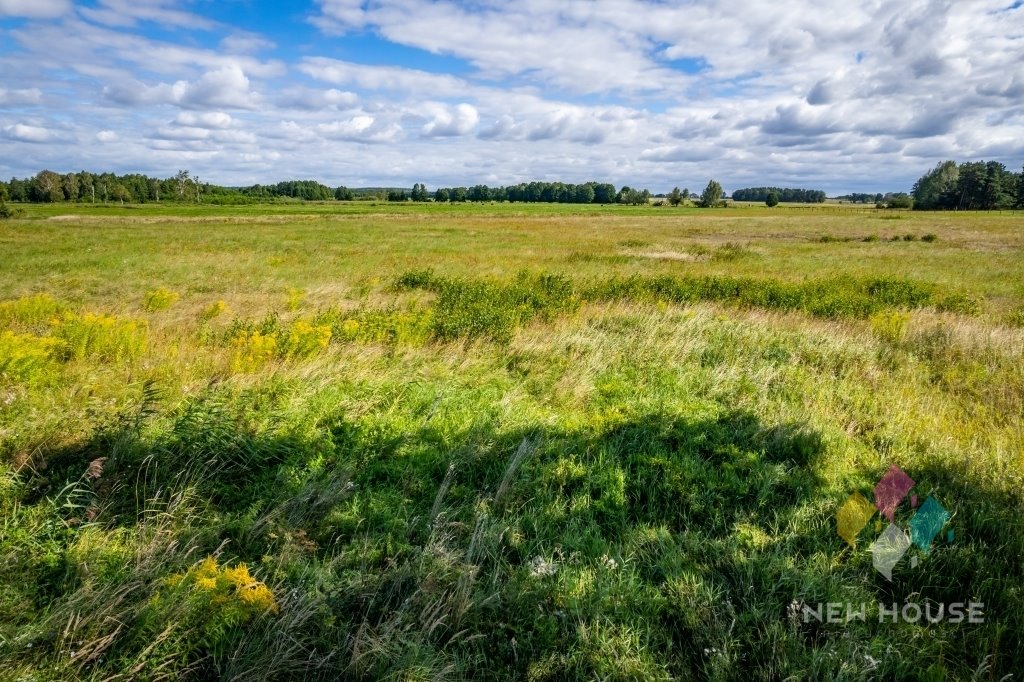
(927,523)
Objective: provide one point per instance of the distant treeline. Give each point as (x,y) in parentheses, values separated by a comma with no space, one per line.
(48,187)
(789,194)
(972,185)
(541,192)
(863,198)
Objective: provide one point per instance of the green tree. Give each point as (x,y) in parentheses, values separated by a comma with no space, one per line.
(712,195)
(121,193)
(675,197)
(772,200)
(419,192)
(46,187)
(900,200)
(1019,201)
(442,194)
(936,187)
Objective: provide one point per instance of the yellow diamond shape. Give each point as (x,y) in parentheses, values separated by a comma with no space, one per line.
(853,516)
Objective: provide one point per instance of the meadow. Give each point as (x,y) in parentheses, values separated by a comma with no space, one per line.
(543,442)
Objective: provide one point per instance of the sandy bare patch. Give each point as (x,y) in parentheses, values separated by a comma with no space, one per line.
(667,255)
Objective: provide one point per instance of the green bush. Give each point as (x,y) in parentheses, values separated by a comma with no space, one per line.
(159,299)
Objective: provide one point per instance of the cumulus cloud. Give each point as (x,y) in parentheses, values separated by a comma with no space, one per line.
(227,87)
(209,119)
(452,121)
(393,78)
(312,99)
(28,133)
(639,92)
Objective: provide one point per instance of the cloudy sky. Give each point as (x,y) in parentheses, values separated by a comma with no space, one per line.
(837,95)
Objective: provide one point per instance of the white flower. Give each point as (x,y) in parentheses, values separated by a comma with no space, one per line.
(541,568)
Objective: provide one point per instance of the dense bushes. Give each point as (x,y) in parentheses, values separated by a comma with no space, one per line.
(466,308)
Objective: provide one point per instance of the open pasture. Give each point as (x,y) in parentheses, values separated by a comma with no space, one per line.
(503,441)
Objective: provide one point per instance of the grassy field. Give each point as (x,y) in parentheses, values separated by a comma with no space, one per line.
(410,442)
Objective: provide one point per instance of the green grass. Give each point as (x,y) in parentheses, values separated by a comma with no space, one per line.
(501,442)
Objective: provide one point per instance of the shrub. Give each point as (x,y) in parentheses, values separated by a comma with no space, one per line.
(388,325)
(257,344)
(201,611)
(890,326)
(9,212)
(305,339)
(961,304)
(159,299)
(25,357)
(730,252)
(930,237)
(910,237)
(101,336)
(416,279)
(295,298)
(484,309)
(37,311)
(215,309)
(252,350)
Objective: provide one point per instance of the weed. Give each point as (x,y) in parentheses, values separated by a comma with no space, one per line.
(1015,318)
(491,310)
(106,337)
(257,344)
(159,299)
(890,326)
(730,252)
(26,357)
(252,350)
(305,339)
(30,312)
(295,299)
(215,309)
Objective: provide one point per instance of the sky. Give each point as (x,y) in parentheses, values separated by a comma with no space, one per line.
(836,95)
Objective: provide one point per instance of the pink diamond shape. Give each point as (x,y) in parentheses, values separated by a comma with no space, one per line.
(891,490)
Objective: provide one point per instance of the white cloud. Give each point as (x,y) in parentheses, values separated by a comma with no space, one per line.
(130,12)
(27,96)
(226,87)
(315,99)
(34,9)
(209,119)
(639,92)
(28,133)
(244,43)
(391,78)
(451,121)
(360,128)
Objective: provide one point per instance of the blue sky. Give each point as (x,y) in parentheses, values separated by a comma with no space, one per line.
(828,94)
